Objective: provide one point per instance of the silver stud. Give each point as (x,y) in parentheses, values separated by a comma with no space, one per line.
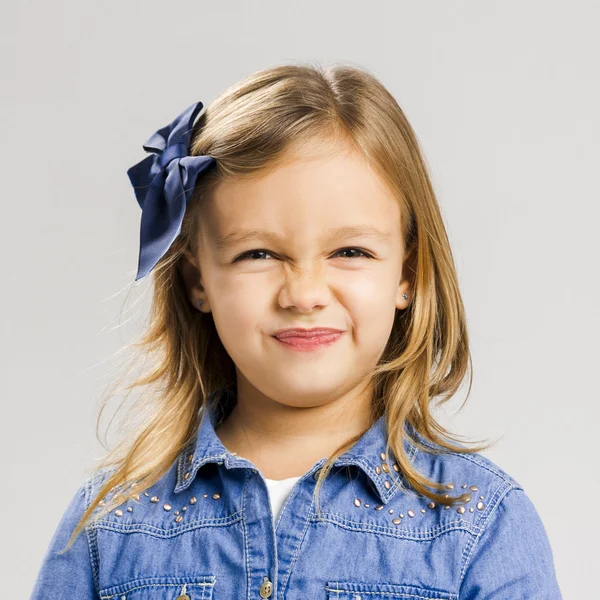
(396,521)
(431,505)
(178,519)
(481,498)
(450,486)
(146,494)
(473,488)
(193,500)
(154,499)
(129,509)
(190,456)
(423,510)
(468,499)
(387,484)
(187,475)
(391,511)
(480,506)
(463,486)
(379,507)
(367,505)
(385,468)
(396,467)
(446,508)
(357,502)
(471,509)
(184,508)
(176,512)
(205,495)
(216,496)
(461,510)
(383,456)
(410,513)
(401,516)
(167,507)
(378,470)
(119,513)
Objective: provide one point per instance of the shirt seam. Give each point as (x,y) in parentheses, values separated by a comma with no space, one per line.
(499,495)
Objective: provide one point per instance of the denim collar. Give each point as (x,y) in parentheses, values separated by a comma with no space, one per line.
(368,454)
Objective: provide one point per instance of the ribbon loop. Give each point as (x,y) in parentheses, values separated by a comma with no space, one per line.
(162,191)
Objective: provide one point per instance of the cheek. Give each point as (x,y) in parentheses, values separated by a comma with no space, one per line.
(239,308)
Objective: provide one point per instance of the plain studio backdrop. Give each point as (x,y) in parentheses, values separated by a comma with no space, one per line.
(504,99)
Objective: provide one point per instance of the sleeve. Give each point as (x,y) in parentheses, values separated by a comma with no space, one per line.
(512,557)
(67,575)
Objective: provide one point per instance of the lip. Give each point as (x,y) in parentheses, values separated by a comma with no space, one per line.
(308,339)
(308,333)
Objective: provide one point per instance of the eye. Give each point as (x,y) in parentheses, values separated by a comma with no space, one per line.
(246,255)
(362,252)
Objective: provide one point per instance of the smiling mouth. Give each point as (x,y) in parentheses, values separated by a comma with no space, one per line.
(303,342)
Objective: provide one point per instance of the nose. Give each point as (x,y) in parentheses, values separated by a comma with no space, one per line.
(305,289)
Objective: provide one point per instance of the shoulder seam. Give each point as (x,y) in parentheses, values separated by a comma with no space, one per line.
(504,477)
(91,534)
(499,495)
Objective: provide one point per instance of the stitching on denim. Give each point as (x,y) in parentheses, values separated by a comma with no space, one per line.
(493,504)
(245,529)
(92,549)
(429,534)
(338,590)
(204,584)
(166,533)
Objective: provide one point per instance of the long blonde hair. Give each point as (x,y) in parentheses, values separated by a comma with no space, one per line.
(247,128)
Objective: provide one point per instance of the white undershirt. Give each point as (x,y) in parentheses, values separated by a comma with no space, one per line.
(279,490)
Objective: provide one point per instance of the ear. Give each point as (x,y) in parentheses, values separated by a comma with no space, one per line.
(405,285)
(192,279)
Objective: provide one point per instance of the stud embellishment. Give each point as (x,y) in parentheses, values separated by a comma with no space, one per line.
(413,513)
(178,515)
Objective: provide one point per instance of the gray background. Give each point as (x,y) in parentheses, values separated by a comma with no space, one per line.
(504,98)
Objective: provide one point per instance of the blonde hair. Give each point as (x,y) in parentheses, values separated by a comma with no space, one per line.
(247,129)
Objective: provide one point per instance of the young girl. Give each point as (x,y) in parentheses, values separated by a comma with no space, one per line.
(305,318)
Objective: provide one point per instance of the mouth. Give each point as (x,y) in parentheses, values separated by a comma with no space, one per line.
(309,339)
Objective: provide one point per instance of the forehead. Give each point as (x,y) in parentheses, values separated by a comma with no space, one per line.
(312,191)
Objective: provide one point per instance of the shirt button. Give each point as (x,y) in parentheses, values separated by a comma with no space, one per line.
(266,589)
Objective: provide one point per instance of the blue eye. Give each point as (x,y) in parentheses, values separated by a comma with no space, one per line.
(246,255)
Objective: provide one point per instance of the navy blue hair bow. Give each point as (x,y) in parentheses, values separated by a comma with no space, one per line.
(163,183)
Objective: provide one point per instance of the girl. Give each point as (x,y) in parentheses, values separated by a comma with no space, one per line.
(305,318)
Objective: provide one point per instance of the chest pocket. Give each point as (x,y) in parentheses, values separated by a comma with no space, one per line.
(162,588)
(354,590)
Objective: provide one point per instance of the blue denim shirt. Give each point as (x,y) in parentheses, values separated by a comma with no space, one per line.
(205,530)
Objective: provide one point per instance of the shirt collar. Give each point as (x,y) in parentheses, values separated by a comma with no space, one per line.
(368,454)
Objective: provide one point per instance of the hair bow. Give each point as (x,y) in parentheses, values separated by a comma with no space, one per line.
(163,183)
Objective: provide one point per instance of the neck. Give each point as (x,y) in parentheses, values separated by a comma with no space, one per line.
(285,441)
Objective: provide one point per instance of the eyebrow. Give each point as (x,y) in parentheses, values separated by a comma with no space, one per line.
(240,235)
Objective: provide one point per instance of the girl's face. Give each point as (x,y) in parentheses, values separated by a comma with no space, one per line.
(316,242)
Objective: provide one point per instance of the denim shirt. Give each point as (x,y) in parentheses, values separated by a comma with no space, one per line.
(205,531)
